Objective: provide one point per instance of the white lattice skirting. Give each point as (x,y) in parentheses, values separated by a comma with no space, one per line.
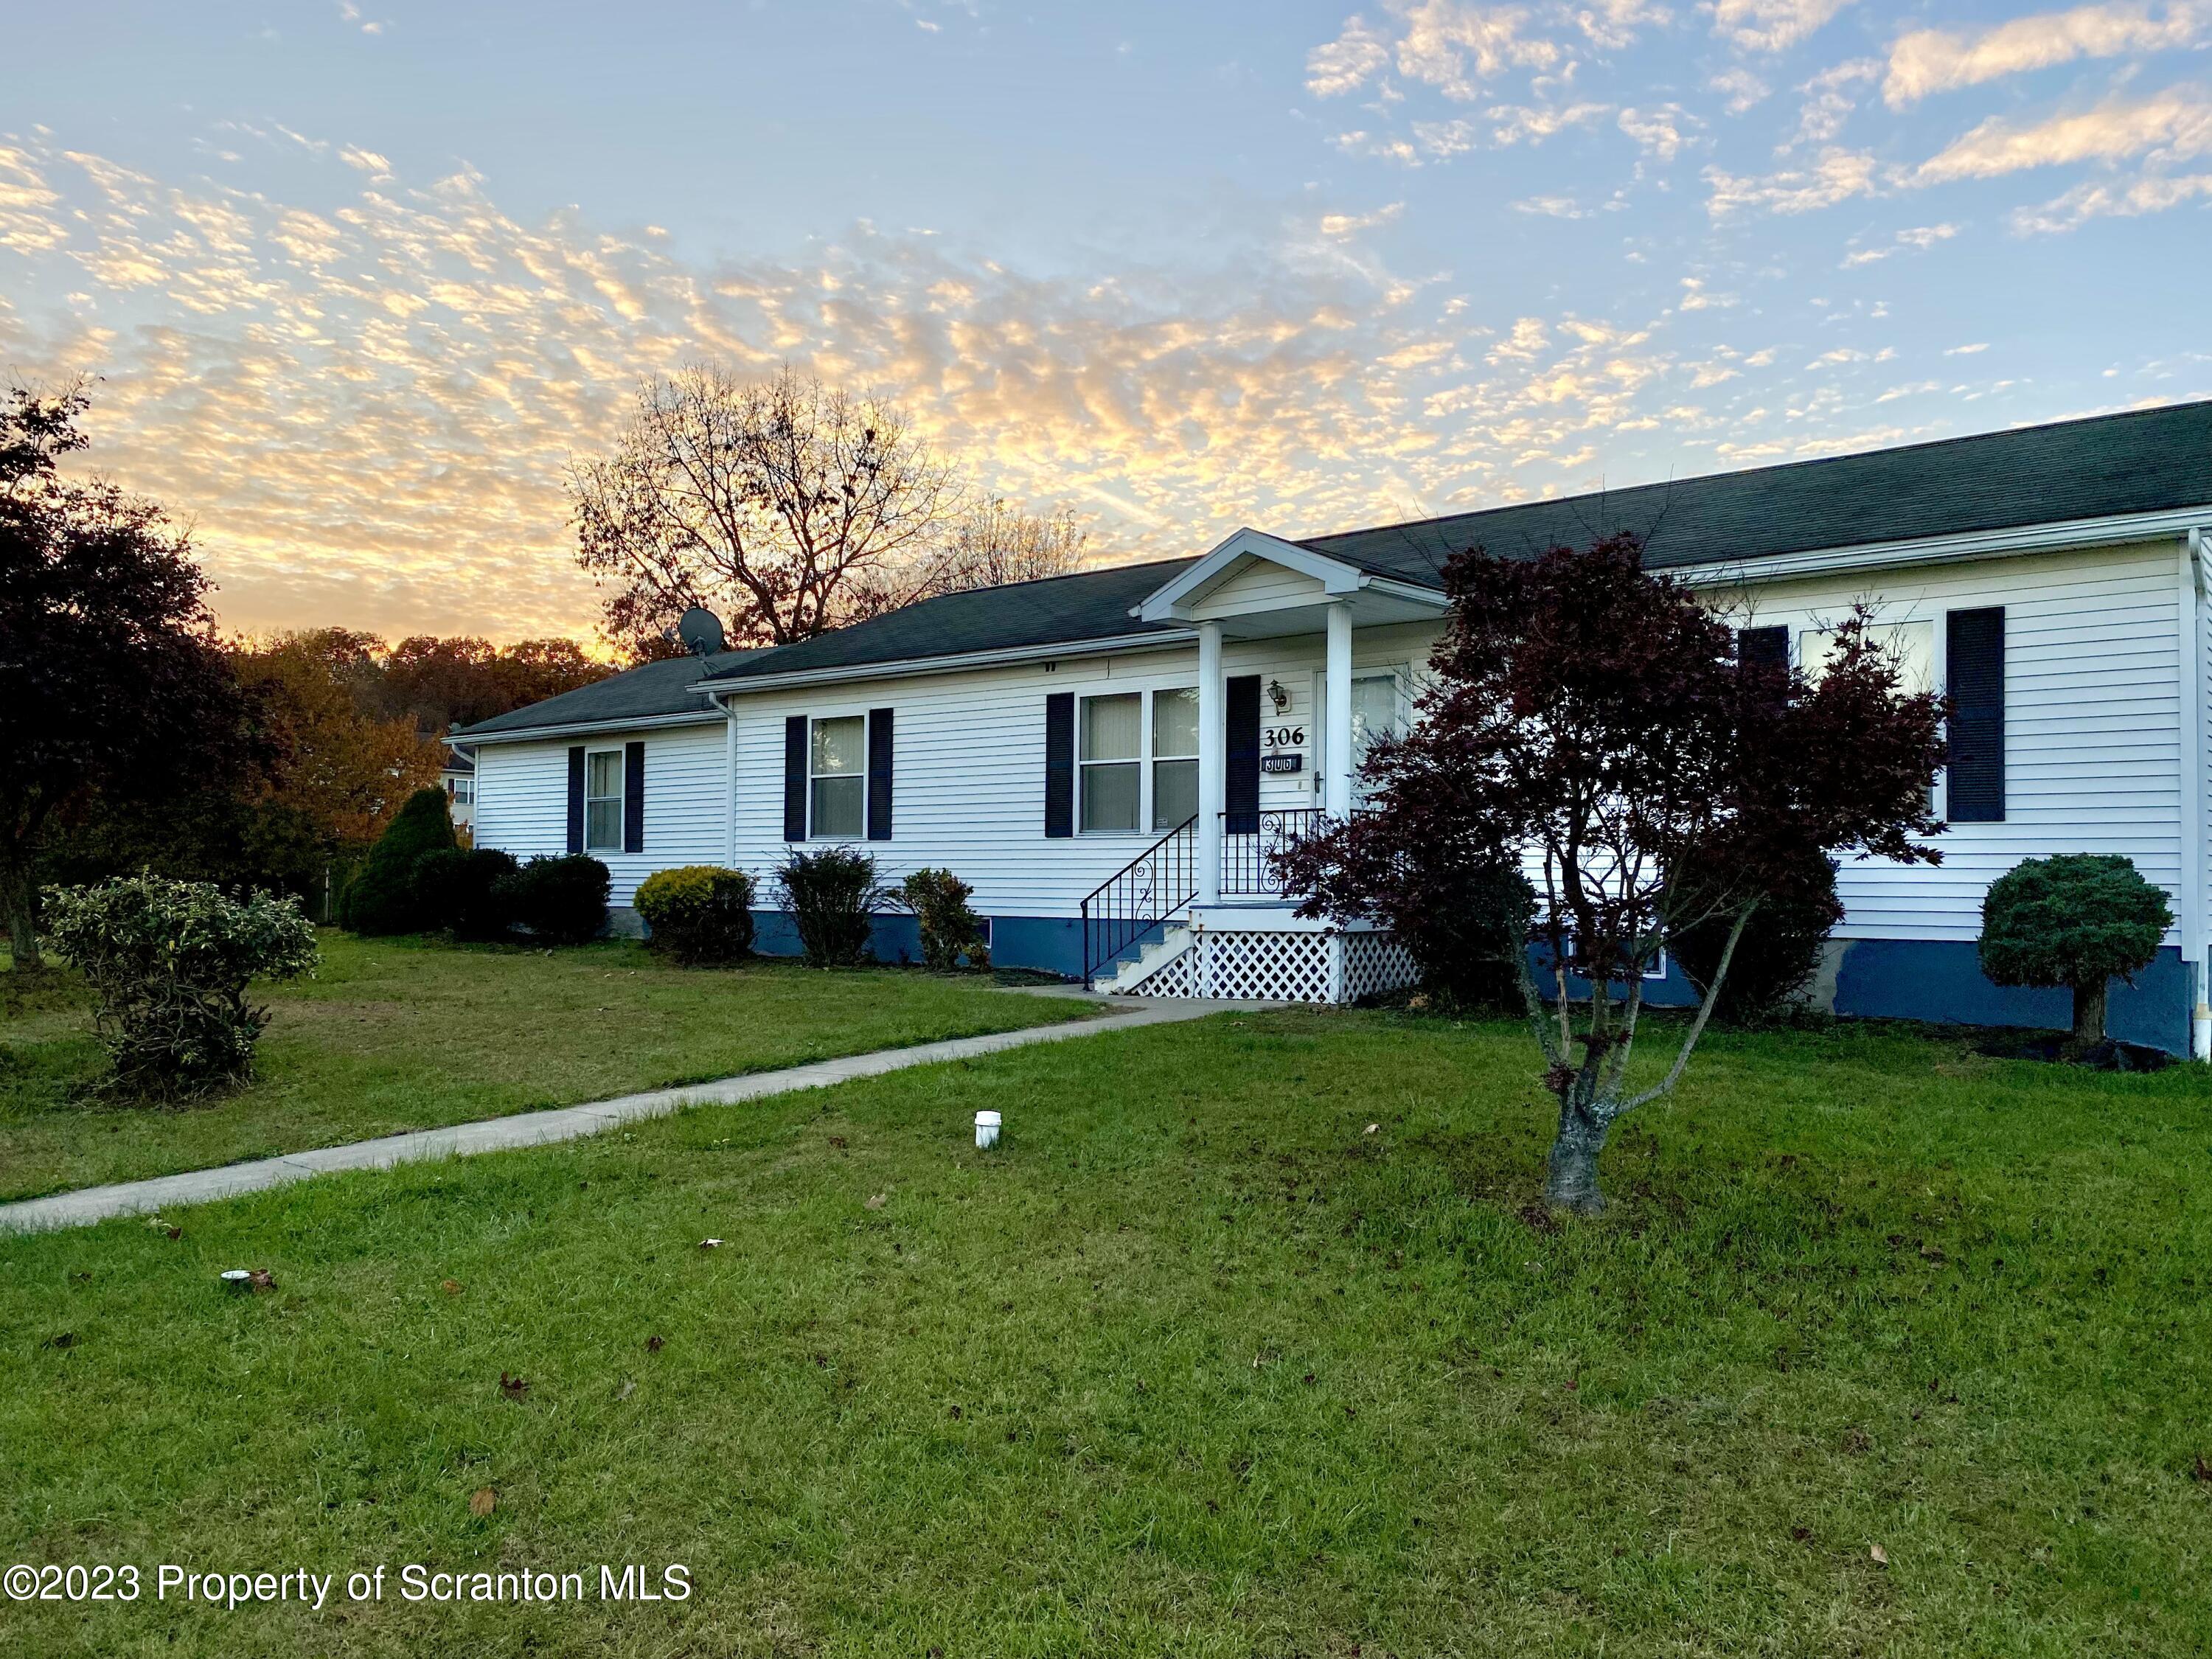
(1307,965)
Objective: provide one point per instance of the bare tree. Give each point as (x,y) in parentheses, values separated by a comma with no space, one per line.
(994,542)
(786,505)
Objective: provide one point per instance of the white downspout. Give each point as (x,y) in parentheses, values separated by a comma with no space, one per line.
(730,781)
(1212,768)
(2195,940)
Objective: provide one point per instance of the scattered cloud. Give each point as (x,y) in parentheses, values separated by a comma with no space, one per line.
(2153,193)
(1657,130)
(343,395)
(1770,26)
(2165,126)
(1739,88)
(1347,63)
(1342,226)
(1920,238)
(1967,351)
(1836,175)
(1929,61)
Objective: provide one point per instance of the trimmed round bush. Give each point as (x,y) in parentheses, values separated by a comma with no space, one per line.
(833,895)
(382,898)
(950,926)
(2078,920)
(700,912)
(170,962)
(562,901)
(459,888)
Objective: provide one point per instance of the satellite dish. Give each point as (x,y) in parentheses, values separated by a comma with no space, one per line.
(700,630)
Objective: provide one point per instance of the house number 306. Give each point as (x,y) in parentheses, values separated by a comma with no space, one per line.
(1287,737)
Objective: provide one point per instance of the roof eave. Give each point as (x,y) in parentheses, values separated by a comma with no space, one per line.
(909,668)
(2058,536)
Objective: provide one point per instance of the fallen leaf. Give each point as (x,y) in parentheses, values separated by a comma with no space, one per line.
(877,1201)
(513,1387)
(175,1232)
(838,1141)
(450,1286)
(2203,1470)
(1880,1555)
(655,1344)
(261,1279)
(482,1501)
(1372,1129)
(626,1390)
(66,1340)
(710,1243)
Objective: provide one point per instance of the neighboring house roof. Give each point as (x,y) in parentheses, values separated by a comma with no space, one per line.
(2145,461)
(1092,604)
(2112,465)
(458,764)
(652,691)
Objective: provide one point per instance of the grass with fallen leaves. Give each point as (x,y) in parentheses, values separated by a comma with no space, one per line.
(402,1034)
(1884,1348)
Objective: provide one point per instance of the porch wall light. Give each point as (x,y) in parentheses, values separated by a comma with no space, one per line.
(1278,697)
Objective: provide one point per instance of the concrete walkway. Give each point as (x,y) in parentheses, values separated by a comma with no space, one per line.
(91,1203)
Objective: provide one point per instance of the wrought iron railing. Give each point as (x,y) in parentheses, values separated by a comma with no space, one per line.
(1250,843)
(1151,888)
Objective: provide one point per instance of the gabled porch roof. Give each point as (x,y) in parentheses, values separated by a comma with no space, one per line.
(1256,586)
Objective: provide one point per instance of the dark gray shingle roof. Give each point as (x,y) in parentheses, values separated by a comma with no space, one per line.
(2143,461)
(1092,604)
(655,689)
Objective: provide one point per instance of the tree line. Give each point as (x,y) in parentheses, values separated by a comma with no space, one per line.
(138,738)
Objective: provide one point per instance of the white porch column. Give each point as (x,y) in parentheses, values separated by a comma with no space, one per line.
(1212,734)
(1336,783)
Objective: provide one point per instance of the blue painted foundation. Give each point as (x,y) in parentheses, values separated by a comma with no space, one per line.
(1052,944)
(1941,979)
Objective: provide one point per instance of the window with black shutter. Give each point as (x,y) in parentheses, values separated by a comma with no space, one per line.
(1240,782)
(1974,644)
(879,774)
(1060,764)
(794,778)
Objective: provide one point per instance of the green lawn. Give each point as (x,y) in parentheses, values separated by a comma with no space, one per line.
(409,1034)
(1192,1365)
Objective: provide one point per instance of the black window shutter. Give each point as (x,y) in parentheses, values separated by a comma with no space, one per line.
(1060,764)
(633,797)
(879,774)
(576,799)
(794,778)
(1974,647)
(1240,785)
(1763,648)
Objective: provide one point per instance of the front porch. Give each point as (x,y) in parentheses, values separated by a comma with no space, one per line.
(1203,912)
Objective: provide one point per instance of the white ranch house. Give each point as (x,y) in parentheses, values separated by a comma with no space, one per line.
(1108,757)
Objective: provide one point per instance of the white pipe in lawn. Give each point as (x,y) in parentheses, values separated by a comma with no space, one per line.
(987,1130)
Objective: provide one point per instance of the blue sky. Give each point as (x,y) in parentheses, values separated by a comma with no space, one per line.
(359,278)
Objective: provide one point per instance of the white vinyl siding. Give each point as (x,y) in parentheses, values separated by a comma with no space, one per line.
(2093,746)
(2092,712)
(522,799)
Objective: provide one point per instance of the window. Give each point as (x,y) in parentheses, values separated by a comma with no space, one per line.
(837,793)
(1112,756)
(462,790)
(1174,757)
(603,800)
(1911,645)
